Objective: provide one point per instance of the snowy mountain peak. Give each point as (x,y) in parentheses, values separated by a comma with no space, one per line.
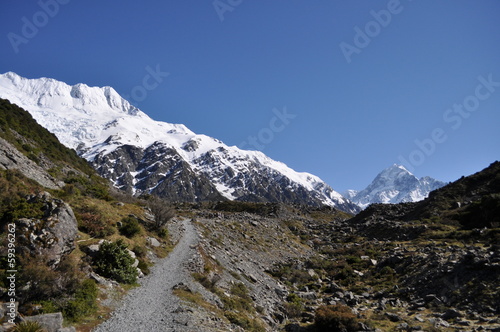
(394,184)
(141,155)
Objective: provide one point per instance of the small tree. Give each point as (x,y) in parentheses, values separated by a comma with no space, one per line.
(161,210)
(130,227)
(113,261)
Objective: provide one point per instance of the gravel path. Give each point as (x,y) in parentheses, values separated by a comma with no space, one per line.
(152,306)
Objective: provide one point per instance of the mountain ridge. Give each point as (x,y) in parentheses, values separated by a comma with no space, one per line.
(102,126)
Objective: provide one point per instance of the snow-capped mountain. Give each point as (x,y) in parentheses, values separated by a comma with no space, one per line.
(141,155)
(394,184)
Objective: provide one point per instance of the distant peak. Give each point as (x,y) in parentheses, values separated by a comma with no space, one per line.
(395,168)
(399,166)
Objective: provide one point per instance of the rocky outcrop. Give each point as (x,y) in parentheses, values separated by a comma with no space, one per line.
(160,170)
(11,158)
(53,235)
(157,170)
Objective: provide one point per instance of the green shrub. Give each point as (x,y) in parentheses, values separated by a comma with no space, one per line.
(84,302)
(130,227)
(93,186)
(49,307)
(294,306)
(29,326)
(113,261)
(20,208)
(139,251)
(41,279)
(144,266)
(241,291)
(163,233)
(335,318)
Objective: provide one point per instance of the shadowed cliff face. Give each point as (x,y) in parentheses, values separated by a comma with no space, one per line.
(161,171)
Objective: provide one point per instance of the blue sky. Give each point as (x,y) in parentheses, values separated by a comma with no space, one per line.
(365,84)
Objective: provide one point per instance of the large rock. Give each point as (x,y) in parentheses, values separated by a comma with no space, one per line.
(11,158)
(54,234)
(50,322)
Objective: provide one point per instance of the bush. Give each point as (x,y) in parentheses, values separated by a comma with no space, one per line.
(144,266)
(84,302)
(113,261)
(162,212)
(163,233)
(91,222)
(131,227)
(294,306)
(335,318)
(47,284)
(29,326)
(41,279)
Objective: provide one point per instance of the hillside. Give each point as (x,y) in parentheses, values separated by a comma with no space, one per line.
(393,267)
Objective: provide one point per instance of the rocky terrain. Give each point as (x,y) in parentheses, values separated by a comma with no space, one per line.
(392,271)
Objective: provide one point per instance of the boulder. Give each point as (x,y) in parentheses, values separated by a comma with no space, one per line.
(153,242)
(53,235)
(50,322)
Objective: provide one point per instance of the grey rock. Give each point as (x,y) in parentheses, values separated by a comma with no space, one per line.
(308,295)
(50,322)
(103,281)
(53,235)
(11,158)
(403,326)
(6,308)
(153,242)
(92,250)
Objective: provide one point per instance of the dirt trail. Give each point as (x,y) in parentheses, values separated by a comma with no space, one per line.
(152,306)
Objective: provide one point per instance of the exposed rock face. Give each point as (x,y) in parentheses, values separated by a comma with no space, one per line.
(11,158)
(53,235)
(158,170)
(161,170)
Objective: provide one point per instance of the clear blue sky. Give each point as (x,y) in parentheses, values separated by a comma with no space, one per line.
(230,67)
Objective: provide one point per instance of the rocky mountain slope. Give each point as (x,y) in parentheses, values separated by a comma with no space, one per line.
(395,184)
(144,156)
(432,265)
